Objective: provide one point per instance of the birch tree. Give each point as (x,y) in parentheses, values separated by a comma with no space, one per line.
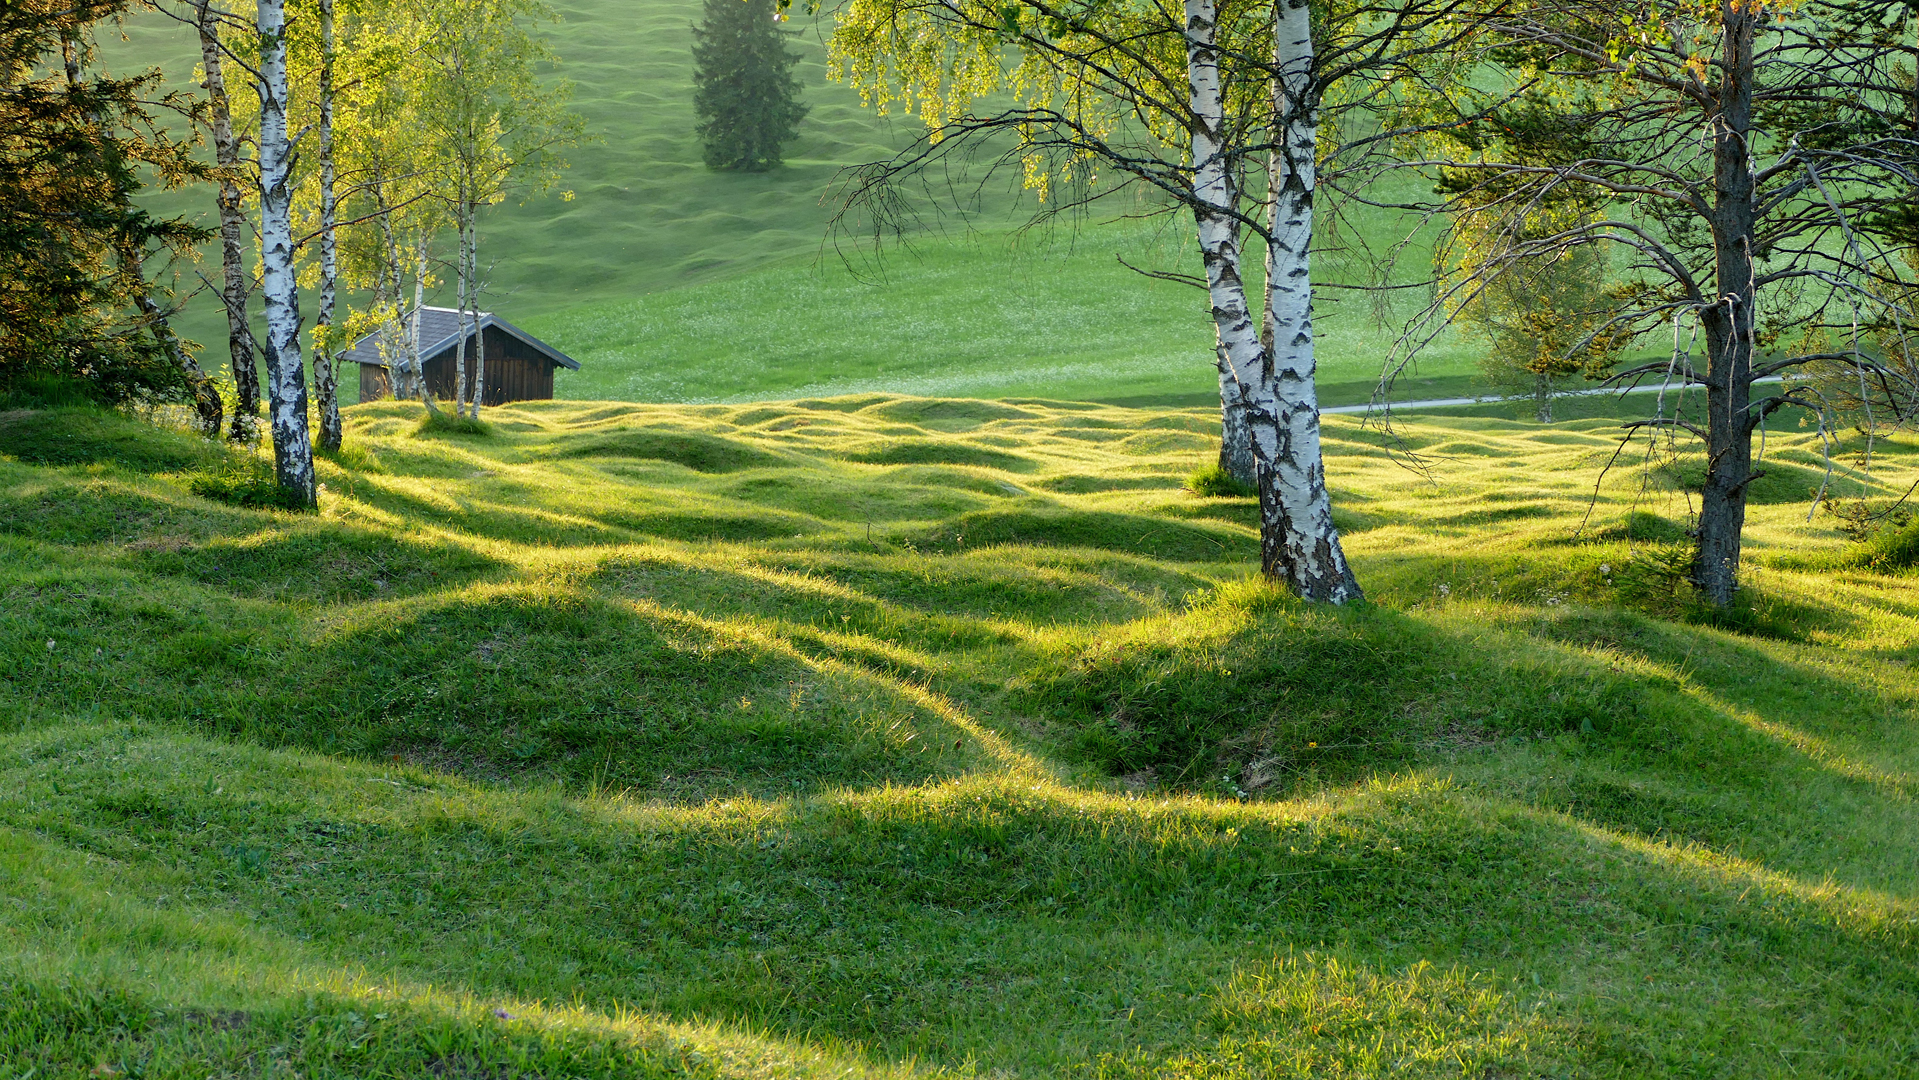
(211,25)
(1755,160)
(286,374)
(1189,104)
(493,129)
(385,210)
(76,301)
(326,338)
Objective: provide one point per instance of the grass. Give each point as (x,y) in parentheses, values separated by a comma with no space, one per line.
(892,736)
(671,282)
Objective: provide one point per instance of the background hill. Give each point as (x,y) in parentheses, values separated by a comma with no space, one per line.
(672,282)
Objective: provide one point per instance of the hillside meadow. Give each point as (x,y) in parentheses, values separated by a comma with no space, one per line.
(913,737)
(672,282)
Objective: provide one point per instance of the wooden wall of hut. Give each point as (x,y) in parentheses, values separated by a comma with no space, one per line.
(514,371)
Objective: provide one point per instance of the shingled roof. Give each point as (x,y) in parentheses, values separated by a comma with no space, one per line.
(440,329)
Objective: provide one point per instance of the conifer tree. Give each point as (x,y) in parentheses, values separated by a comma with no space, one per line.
(743,85)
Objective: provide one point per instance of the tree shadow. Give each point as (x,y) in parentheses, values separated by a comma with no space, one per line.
(997,923)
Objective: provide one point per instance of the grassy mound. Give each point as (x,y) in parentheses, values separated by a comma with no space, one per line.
(500,766)
(88,435)
(1247,692)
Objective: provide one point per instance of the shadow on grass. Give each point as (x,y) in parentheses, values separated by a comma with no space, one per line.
(693,450)
(509,683)
(989,923)
(1140,534)
(333,561)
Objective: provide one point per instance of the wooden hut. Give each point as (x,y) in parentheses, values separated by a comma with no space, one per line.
(519,366)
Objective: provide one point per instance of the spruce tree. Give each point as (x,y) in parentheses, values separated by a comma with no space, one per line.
(743,85)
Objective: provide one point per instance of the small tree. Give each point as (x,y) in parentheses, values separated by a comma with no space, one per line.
(744,91)
(75,302)
(1756,163)
(1542,321)
(213,26)
(286,374)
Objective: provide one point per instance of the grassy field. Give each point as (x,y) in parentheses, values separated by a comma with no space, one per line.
(886,736)
(674,283)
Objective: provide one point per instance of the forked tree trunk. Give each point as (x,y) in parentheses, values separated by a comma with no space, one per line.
(1728,323)
(325,372)
(1298,543)
(286,376)
(236,283)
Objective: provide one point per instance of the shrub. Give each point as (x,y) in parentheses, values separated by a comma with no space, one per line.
(1213,482)
(445,423)
(1884,540)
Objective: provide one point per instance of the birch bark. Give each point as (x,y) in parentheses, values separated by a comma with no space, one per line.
(479,333)
(1297,540)
(459,322)
(236,282)
(1297,537)
(286,376)
(325,371)
(1235,438)
(415,360)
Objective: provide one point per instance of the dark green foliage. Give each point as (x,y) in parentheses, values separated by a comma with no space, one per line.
(72,241)
(1213,482)
(743,86)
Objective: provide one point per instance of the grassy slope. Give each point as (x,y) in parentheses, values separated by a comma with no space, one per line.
(671,282)
(906,737)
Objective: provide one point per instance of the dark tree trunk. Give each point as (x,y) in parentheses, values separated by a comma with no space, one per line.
(1729,323)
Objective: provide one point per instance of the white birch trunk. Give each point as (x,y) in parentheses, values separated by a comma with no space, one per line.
(325,370)
(459,301)
(1297,532)
(393,338)
(1297,540)
(236,282)
(479,334)
(418,362)
(286,375)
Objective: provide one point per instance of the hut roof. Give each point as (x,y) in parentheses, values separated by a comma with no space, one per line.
(440,329)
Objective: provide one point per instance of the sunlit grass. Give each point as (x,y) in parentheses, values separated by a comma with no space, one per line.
(905,737)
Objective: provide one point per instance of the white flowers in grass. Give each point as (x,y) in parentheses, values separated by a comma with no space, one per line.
(49,644)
